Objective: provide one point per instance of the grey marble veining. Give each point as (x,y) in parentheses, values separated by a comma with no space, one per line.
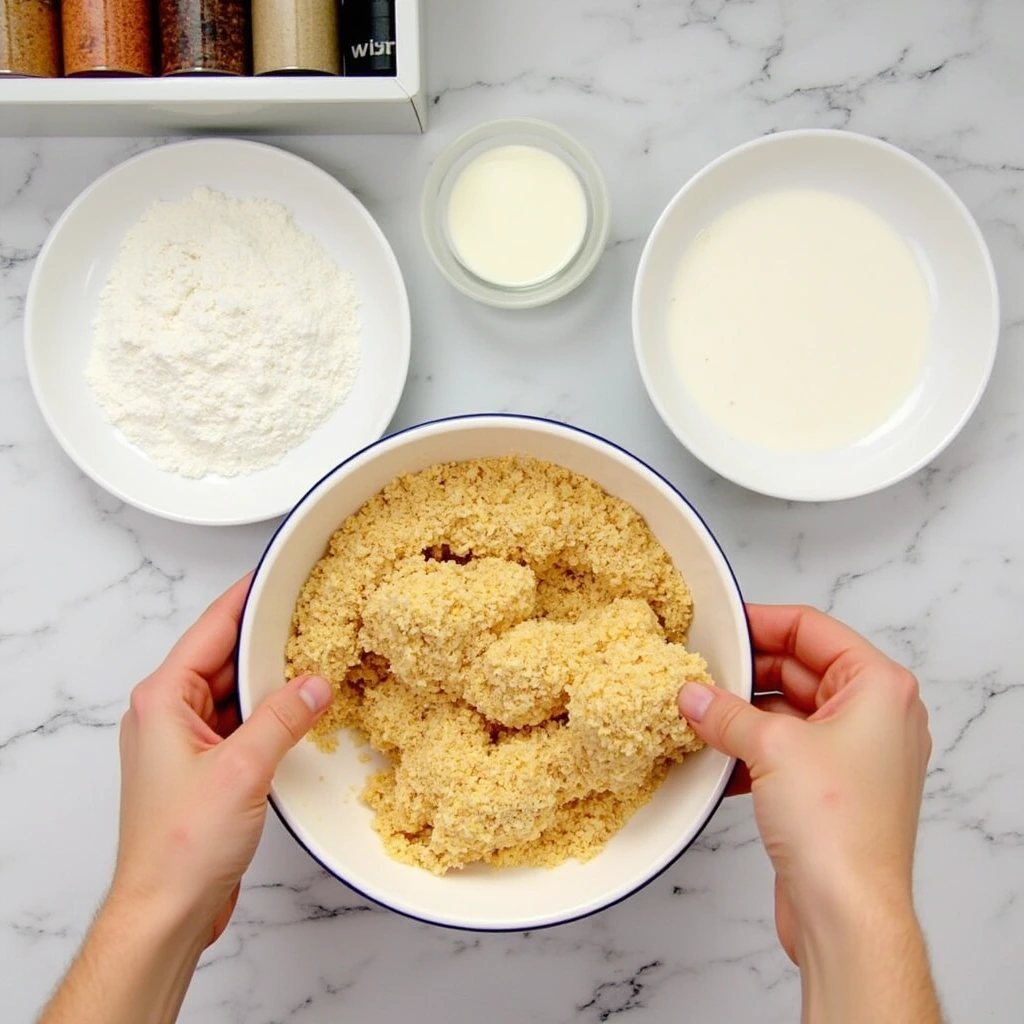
(92,592)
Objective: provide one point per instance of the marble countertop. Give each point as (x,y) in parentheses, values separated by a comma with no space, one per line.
(92,592)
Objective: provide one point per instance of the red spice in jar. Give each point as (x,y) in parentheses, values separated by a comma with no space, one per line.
(107,37)
(204,36)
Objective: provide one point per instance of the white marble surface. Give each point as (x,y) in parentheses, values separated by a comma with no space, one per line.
(93,592)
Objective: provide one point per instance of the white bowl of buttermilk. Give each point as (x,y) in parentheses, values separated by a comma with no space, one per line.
(505,608)
(815,315)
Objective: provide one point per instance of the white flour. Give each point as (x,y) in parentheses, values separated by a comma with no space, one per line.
(225,335)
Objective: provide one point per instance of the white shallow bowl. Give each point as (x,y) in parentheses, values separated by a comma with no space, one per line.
(953,259)
(316,794)
(73,266)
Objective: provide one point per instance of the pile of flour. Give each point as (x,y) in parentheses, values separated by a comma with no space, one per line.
(225,335)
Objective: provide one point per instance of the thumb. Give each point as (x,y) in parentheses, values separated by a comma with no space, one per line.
(282,719)
(722,719)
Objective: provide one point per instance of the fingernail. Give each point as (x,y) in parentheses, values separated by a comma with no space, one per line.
(316,692)
(693,700)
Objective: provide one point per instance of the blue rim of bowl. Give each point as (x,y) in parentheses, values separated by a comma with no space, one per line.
(468,418)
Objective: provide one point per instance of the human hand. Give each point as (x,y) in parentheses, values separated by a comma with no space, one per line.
(194,783)
(836,767)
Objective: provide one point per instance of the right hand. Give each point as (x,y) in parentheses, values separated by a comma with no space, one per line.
(836,767)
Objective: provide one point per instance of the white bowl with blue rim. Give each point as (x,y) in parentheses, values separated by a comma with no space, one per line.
(316,793)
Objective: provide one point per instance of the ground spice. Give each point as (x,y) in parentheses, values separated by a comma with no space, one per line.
(295,36)
(30,38)
(204,36)
(107,37)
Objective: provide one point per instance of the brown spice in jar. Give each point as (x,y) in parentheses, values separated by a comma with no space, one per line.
(107,37)
(204,36)
(298,36)
(30,38)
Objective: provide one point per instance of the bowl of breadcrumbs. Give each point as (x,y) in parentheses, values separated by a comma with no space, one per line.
(506,608)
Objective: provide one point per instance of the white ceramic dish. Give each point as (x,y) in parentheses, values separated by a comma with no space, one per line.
(73,266)
(952,256)
(316,794)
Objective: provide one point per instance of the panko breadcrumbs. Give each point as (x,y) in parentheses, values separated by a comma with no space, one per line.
(512,638)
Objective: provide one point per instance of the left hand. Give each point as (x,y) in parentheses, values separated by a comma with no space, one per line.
(194,782)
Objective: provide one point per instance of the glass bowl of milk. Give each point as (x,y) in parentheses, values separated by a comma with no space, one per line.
(515,213)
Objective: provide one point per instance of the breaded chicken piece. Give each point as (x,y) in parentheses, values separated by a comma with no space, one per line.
(622,710)
(445,808)
(524,677)
(421,731)
(521,678)
(393,715)
(623,713)
(432,620)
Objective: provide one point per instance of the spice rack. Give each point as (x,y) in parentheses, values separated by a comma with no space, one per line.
(184,105)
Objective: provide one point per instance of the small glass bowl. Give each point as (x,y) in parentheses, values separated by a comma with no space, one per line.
(446,170)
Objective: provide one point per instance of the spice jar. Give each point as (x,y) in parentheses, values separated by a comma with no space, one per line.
(199,36)
(368,35)
(298,36)
(30,38)
(107,37)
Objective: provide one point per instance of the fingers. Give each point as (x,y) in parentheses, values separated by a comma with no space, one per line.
(207,646)
(847,678)
(196,694)
(164,691)
(281,721)
(784,672)
(739,783)
(222,682)
(813,638)
(722,719)
(776,705)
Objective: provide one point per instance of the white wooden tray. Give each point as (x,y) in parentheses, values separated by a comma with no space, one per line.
(243,106)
